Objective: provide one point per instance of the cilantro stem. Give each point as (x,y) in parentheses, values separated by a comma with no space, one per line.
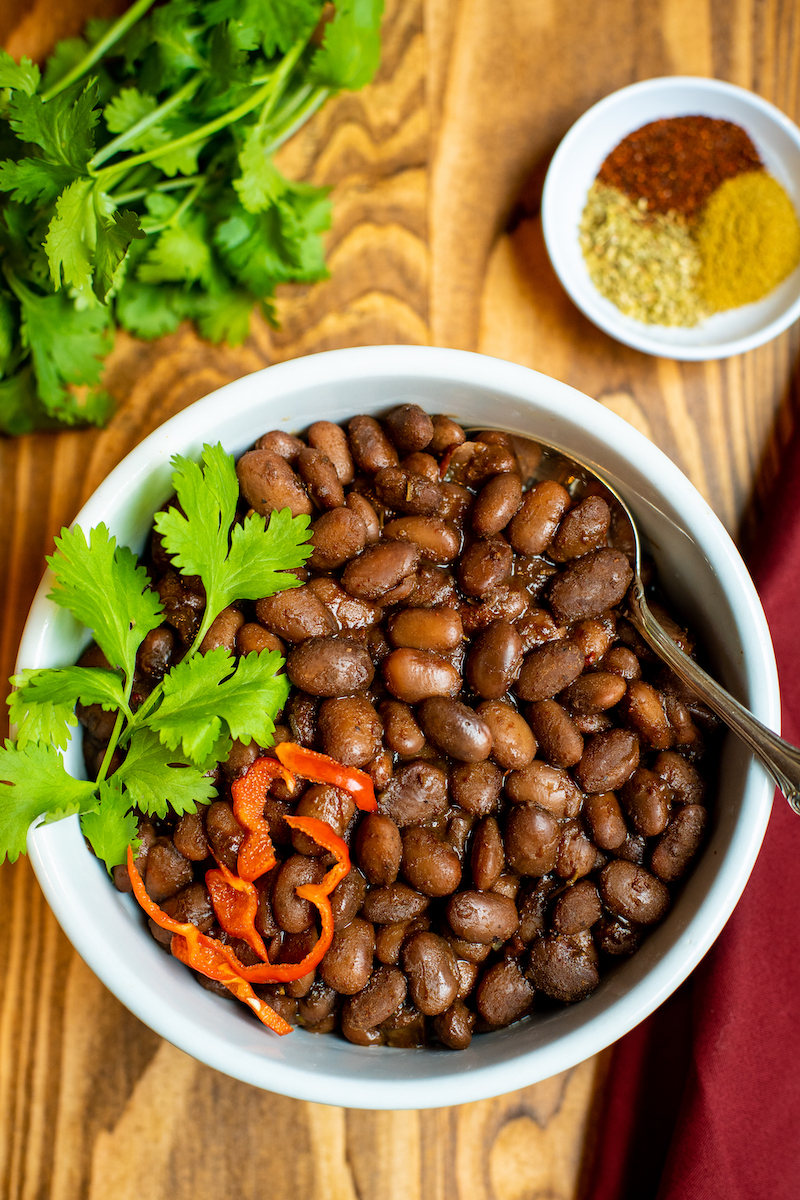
(187,202)
(111,747)
(294,117)
(112,35)
(268,91)
(171,185)
(147,122)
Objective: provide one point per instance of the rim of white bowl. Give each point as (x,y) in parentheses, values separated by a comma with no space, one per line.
(595,311)
(306,1082)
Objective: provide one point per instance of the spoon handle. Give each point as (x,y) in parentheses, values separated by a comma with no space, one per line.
(779,758)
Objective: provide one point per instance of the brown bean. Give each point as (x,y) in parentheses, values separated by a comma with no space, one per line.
(560,742)
(318,1003)
(446,433)
(459,827)
(320,478)
(362,508)
(576,855)
(414,675)
(295,614)
(679,843)
(476,787)
(646,799)
(302,717)
(338,537)
(401,733)
(269,484)
(192,905)
(292,913)
(546,786)
(504,994)
(433,587)
(422,464)
(456,502)
(360,1037)
(536,521)
(167,871)
(473,952)
(584,528)
(332,440)
(437,629)
(430,866)
(561,968)
(606,822)
(589,585)
(633,849)
(536,627)
(644,708)
(347,964)
(531,840)
(395,902)
(190,838)
(375,1003)
(155,652)
(380,769)
(407,492)
(223,630)
(482,917)
(488,857)
(468,973)
(578,908)
(513,743)
(494,660)
(332,805)
(496,504)
(619,660)
(224,833)
(432,973)
(454,1026)
(608,760)
(280,442)
(616,938)
(369,445)
(183,609)
(409,427)
(379,848)
(593,692)
(455,729)
(594,637)
(389,938)
(347,897)
(485,565)
(437,540)
(506,603)
(633,893)
(533,903)
(548,670)
(687,784)
(330,667)
(416,792)
(349,612)
(474,462)
(379,569)
(350,730)
(253,638)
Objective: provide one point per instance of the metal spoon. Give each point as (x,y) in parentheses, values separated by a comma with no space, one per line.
(779,758)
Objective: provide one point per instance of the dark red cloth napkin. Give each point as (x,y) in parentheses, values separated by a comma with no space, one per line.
(702,1100)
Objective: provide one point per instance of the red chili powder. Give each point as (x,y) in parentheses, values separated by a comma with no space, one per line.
(676,163)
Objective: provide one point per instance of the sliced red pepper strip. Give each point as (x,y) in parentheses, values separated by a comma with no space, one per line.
(318,894)
(205,955)
(256,855)
(235,904)
(322,769)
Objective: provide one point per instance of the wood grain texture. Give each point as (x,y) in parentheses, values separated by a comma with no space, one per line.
(436,172)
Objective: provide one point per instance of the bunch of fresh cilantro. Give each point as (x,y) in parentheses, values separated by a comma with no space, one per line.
(140,187)
(185,726)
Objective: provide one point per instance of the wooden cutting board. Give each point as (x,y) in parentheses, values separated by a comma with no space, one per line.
(436,171)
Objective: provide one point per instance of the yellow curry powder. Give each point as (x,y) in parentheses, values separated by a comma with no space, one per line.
(749,240)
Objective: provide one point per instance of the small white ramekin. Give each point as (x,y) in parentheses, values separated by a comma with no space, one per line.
(701,571)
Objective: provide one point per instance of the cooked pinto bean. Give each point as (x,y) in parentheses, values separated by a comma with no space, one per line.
(401,733)
(330,667)
(432,972)
(647,799)
(576,856)
(332,805)
(190,838)
(504,994)
(414,675)
(482,917)
(437,540)
(475,787)
(280,442)
(369,445)
(496,504)
(295,615)
(531,840)
(559,741)
(547,671)
(679,843)
(192,905)
(644,708)
(488,856)
(616,937)
(224,833)
(302,717)
(619,660)
(318,1003)
(253,638)
(389,938)
(609,759)
(347,964)
(349,612)
(332,441)
(494,661)
(350,730)
(584,528)
(513,743)
(269,484)
(407,492)
(437,629)
(379,848)
(422,464)
(410,427)
(292,913)
(363,509)
(155,652)
(395,902)
(454,1026)
(578,908)
(633,849)
(320,477)
(455,729)
(338,537)
(535,627)
(593,692)
(167,871)
(506,603)
(606,821)
(416,792)
(633,893)
(485,565)
(456,502)
(430,866)
(379,569)
(347,897)
(688,786)
(561,968)
(375,1003)
(594,638)
(446,433)
(589,585)
(433,586)
(546,786)
(533,526)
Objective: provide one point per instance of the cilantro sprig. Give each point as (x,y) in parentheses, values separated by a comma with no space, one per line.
(140,187)
(187,723)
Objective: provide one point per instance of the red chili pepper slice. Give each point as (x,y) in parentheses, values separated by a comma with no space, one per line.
(256,855)
(235,903)
(322,769)
(206,955)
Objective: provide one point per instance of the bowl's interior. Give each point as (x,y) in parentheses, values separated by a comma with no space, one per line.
(707,583)
(575,167)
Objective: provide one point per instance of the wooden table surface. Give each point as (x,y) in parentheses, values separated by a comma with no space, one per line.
(436,171)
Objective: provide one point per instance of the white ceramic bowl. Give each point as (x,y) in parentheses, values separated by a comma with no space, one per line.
(575,166)
(701,571)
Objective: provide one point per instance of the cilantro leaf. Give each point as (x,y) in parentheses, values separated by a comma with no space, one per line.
(43,706)
(148,311)
(104,588)
(127,108)
(261,182)
(279,244)
(23,75)
(259,556)
(33,179)
(351,48)
(63,127)
(110,826)
(203,692)
(223,315)
(159,779)
(113,239)
(277,24)
(181,253)
(20,408)
(66,55)
(66,345)
(71,236)
(39,784)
